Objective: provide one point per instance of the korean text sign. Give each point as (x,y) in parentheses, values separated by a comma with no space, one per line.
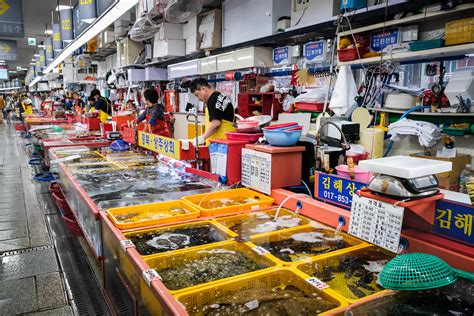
(454,220)
(159,144)
(336,189)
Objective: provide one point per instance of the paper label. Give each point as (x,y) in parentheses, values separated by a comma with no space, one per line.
(260,250)
(376,222)
(317,283)
(150,275)
(257,170)
(126,243)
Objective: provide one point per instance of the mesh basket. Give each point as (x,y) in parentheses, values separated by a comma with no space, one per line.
(416,271)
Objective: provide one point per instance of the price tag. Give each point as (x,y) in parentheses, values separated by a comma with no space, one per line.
(317,283)
(257,170)
(68,158)
(126,243)
(150,275)
(260,250)
(376,222)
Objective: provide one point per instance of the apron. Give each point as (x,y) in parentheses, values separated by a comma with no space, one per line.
(104,115)
(27,109)
(226,126)
(159,128)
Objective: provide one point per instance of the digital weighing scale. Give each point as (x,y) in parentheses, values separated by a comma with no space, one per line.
(404,176)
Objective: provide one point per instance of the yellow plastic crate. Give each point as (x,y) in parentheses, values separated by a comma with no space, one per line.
(459,32)
(344,282)
(218,234)
(102,166)
(246,225)
(213,203)
(291,256)
(195,300)
(177,259)
(152,214)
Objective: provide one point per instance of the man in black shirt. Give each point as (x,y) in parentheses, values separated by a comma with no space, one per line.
(219,110)
(102,104)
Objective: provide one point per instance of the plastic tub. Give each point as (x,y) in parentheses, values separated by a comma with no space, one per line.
(175,260)
(72,225)
(308,106)
(152,214)
(282,138)
(303,243)
(61,203)
(359,175)
(211,204)
(342,271)
(247,124)
(243,136)
(194,301)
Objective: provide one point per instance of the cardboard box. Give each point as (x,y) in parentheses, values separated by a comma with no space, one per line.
(449,180)
(168,48)
(191,35)
(210,30)
(170,31)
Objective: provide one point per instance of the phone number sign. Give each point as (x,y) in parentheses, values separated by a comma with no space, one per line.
(159,144)
(337,190)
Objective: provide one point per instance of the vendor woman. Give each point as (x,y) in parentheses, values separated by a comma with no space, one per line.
(102,104)
(219,112)
(154,115)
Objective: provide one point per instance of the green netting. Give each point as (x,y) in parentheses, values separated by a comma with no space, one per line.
(416,271)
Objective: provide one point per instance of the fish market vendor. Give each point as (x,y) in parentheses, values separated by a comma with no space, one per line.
(154,115)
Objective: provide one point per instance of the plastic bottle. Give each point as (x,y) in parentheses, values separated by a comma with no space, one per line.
(467,172)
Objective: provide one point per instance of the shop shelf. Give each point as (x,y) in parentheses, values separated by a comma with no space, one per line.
(152,214)
(261,222)
(344,273)
(301,244)
(175,260)
(227,202)
(263,282)
(215,234)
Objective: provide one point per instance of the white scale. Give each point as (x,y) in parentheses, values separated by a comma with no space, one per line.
(404,176)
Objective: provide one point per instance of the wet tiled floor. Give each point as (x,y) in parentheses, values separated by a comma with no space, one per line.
(31,280)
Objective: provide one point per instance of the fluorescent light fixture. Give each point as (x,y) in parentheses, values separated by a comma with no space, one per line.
(41,46)
(113,13)
(32,64)
(36,55)
(12,71)
(35,81)
(33,59)
(62,7)
(48,32)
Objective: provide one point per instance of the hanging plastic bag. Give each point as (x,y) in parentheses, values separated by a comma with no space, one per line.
(345,91)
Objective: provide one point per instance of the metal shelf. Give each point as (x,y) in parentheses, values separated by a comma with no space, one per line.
(424,113)
(419,56)
(410,19)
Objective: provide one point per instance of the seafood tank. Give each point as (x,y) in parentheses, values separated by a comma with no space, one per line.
(207,264)
(304,243)
(354,274)
(454,299)
(155,241)
(280,292)
(254,223)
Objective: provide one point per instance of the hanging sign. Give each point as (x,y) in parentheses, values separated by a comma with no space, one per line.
(57,43)
(37,65)
(11,18)
(281,55)
(379,40)
(159,144)
(315,51)
(454,220)
(87,10)
(377,222)
(335,189)
(49,50)
(8,50)
(42,53)
(65,18)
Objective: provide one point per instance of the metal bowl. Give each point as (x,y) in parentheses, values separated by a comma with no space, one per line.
(263,119)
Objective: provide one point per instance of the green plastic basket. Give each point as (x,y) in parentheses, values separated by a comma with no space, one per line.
(418,271)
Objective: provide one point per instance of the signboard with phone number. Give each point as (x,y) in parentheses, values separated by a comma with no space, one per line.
(315,51)
(159,144)
(454,220)
(281,55)
(335,189)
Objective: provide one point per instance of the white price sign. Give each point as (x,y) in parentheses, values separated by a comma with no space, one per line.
(257,170)
(376,222)
(317,283)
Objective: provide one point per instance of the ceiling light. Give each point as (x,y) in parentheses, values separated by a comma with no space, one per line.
(48,32)
(35,81)
(113,13)
(36,55)
(12,71)
(62,7)
(33,59)
(32,64)
(42,46)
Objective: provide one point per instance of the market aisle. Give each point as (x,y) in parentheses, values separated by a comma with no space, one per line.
(30,275)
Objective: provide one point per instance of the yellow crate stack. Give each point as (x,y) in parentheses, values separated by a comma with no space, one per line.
(459,32)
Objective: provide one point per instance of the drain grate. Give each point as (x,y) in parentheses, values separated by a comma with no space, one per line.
(22,251)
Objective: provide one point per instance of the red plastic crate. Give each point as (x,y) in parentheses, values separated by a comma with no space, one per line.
(20,127)
(307,106)
(72,225)
(347,54)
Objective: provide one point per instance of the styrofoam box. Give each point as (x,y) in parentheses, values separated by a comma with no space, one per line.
(168,48)
(191,35)
(186,68)
(109,37)
(153,74)
(136,75)
(208,65)
(170,31)
(405,167)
